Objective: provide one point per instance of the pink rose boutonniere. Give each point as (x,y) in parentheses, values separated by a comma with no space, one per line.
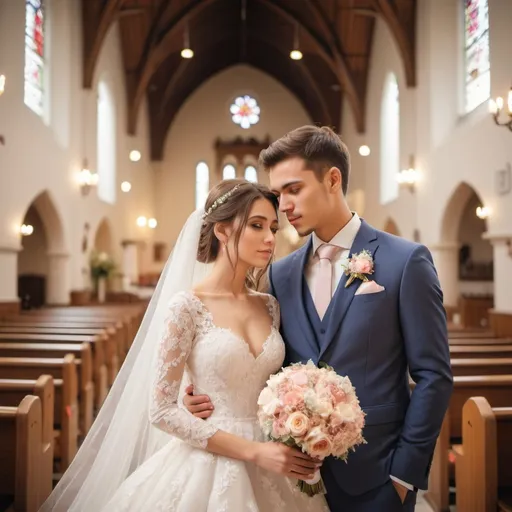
(359,266)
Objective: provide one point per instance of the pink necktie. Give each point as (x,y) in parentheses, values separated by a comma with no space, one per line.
(323,285)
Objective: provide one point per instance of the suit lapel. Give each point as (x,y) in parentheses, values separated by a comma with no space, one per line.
(296,278)
(366,238)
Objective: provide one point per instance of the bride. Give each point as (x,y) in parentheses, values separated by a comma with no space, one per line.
(147,453)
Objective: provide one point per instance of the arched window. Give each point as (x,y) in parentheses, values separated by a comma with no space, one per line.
(477,69)
(202,183)
(251,174)
(34,93)
(389,140)
(106,144)
(228,172)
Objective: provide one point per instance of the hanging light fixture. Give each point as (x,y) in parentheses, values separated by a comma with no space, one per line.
(2,84)
(296,54)
(87,179)
(409,177)
(26,229)
(186,52)
(496,107)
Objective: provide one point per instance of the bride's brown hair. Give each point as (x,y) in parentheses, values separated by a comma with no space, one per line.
(236,207)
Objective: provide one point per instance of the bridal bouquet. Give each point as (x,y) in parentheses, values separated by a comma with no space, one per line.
(315,410)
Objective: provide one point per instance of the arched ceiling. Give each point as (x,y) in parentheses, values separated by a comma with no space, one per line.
(335,37)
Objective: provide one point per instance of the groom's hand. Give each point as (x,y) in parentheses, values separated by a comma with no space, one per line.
(198,405)
(401,490)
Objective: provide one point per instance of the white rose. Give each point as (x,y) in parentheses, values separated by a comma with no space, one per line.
(265,397)
(270,407)
(297,423)
(346,411)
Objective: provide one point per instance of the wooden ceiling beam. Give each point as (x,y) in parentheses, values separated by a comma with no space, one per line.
(155,52)
(331,53)
(94,32)
(404,32)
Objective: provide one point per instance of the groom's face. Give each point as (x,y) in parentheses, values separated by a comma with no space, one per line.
(302,197)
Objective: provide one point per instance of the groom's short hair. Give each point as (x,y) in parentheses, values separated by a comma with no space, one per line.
(320,147)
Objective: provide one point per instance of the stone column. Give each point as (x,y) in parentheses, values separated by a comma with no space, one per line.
(446,260)
(9,274)
(58,282)
(130,263)
(502,249)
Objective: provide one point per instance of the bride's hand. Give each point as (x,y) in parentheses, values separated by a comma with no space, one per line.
(198,405)
(282,459)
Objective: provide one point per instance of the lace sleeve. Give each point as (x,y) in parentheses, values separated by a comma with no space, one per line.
(275,313)
(173,351)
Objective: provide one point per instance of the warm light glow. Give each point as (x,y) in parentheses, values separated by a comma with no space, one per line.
(493,107)
(2,84)
(364,150)
(126,186)
(499,102)
(142,221)
(509,102)
(152,223)
(187,53)
(26,229)
(296,55)
(483,212)
(135,155)
(408,176)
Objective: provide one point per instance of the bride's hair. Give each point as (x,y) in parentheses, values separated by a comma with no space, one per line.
(237,206)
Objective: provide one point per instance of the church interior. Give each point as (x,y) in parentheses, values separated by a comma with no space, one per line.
(118,116)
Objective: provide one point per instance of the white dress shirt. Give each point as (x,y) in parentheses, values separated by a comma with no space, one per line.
(344,239)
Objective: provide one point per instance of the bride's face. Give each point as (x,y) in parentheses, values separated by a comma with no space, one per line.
(258,239)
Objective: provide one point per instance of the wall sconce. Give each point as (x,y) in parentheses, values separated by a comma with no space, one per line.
(87,179)
(26,230)
(142,222)
(126,186)
(496,107)
(135,155)
(2,84)
(483,212)
(409,177)
(152,223)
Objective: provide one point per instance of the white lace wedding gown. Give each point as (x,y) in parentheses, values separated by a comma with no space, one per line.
(182,476)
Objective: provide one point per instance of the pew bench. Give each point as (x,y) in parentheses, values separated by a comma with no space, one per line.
(12,392)
(484,460)
(482,366)
(20,452)
(480,351)
(66,410)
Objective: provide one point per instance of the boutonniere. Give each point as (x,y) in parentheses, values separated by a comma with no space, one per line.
(359,266)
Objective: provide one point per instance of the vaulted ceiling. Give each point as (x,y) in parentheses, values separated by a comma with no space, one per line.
(335,37)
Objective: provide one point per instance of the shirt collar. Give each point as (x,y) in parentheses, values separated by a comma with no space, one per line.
(344,238)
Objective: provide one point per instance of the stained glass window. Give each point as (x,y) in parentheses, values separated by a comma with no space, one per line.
(251,174)
(477,65)
(228,172)
(245,111)
(34,55)
(202,184)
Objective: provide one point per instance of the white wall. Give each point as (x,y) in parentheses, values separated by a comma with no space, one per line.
(448,148)
(204,117)
(39,156)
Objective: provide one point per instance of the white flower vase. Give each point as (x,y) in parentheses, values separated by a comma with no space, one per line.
(102,290)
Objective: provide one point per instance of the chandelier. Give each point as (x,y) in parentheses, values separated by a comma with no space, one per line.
(496,107)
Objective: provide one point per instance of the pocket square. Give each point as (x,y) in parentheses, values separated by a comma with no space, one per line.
(369,287)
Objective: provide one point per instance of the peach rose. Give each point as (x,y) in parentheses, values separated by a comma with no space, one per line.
(317,444)
(298,424)
(362,266)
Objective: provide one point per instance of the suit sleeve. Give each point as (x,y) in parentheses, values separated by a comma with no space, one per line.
(424,330)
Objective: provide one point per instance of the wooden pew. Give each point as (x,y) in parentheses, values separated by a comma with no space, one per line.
(96,347)
(12,392)
(480,341)
(480,351)
(482,366)
(108,334)
(471,334)
(66,411)
(20,452)
(484,461)
(82,355)
(498,390)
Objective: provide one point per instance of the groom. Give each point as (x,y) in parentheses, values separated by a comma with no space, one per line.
(375,332)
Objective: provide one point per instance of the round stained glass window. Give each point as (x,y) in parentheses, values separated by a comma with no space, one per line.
(245,111)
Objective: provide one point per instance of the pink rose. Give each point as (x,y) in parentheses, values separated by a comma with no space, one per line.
(317,443)
(292,398)
(279,428)
(299,378)
(362,266)
(297,424)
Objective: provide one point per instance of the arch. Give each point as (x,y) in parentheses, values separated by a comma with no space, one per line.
(103,239)
(454,211)
(391,227)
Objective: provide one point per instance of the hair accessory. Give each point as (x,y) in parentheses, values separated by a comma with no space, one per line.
(221,200)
